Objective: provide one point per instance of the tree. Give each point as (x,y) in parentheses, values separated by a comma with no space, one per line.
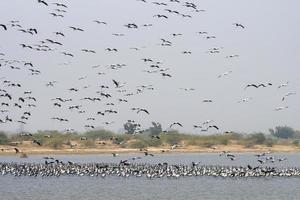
(283,132)
(155,129)
(3,138)
(130,128)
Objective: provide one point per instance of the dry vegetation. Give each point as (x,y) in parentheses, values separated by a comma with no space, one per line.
(108,141)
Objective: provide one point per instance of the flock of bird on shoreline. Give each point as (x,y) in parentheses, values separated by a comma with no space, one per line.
(130,168)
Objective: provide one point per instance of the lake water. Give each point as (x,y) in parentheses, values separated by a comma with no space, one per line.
(208,188)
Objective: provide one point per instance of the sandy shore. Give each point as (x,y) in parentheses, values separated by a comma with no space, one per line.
(8,150)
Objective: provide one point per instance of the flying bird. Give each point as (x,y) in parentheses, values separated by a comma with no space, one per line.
(60,4)
(100,22)
(118,84)
(4,27)
(59,33)
(143,110)
(166,75)
(224,74)
(259,85)
(75,28)
(239,25)
(131,25)
(161,16)
(281,108)
(43,2)
(56,15)
(283,85)
(288,94)
(213,126)
(175,123)
(68,54)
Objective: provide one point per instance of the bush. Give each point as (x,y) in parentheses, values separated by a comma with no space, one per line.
(257,138)
(193,142)
(123,145)
(172,138)
(208,144)
(249,145)
(295,142)
(100,134)
(154,143)
(3,138)
(88,143)
(55,143)
(143,141)
(139,144)
(224,141)
(270,142)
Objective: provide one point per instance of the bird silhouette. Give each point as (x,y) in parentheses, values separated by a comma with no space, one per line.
(161,16)
(76,29)
(4,26)
(43,2)
(175,123)
(239,25)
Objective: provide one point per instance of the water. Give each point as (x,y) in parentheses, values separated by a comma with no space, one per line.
(208,188)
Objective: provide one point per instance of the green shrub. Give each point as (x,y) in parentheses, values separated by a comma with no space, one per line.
(3,138)
(123,145)
(208,144)
(224,141)
(295,142)
(249,145)
(257,138)
(89,143)
(154,143)
(55,143)
(193,142)
(173,138)
(99,134)
(269,142)
(139,144)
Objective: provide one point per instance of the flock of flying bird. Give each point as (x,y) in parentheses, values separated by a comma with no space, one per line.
(27,102)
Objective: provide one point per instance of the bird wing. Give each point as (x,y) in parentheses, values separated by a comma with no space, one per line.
(4,27)
(116,83)
(146,111)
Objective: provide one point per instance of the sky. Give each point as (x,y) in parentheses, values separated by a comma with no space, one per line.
(268,51)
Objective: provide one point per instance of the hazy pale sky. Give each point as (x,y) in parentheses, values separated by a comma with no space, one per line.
(268,50)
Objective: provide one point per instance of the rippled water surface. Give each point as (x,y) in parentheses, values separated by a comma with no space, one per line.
(85,188)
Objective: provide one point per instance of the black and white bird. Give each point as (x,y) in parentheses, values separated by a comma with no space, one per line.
(43,2)
(118,84)
(239,25)
(175,124)
(281,108)
(283,85)
(288,94)
(4,26)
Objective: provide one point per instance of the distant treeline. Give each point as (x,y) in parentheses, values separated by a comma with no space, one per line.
(283,135)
